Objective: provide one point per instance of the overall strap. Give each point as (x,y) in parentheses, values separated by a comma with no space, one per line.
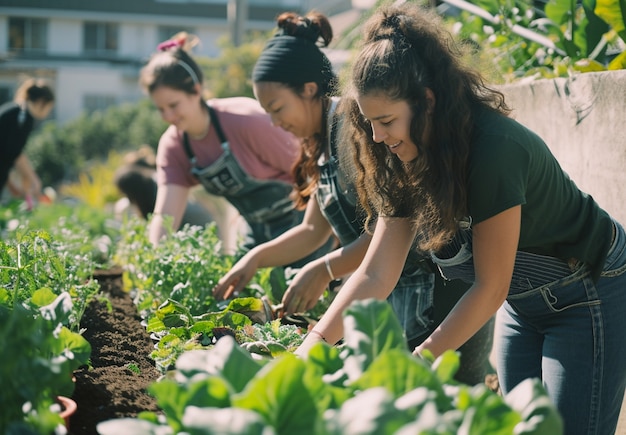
(216,123)
(218,129)
(333,135)
(332,121)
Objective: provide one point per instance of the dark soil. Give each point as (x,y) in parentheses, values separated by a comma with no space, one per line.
(110,389)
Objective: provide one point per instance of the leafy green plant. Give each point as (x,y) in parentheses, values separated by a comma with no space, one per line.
(225,390)
(35,269)
(172,286)
(587,29)
(40,356)
(76,230)
(133,368)
(271,338)
(177,330)
(184,268)
(45,286)
(517,39)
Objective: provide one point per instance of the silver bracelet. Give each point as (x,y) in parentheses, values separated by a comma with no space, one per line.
(328,269)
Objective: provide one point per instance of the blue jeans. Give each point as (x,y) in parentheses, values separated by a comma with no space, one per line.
(571,333)
(412,302)
(421,301)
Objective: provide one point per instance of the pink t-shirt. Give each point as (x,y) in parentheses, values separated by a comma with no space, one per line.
(264,152)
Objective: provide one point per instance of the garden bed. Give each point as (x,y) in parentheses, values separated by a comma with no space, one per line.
(122,369)
(115,386)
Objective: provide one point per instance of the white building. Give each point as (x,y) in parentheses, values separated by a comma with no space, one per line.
(92,50)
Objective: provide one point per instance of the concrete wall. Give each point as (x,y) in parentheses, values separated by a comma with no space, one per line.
(583,121)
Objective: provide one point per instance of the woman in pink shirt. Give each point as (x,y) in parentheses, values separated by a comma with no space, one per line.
(227,144)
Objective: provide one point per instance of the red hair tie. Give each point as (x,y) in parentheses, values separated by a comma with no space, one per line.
(170,43)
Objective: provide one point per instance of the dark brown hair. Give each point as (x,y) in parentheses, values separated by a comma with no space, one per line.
(34,90)
(406,51)
(137,183)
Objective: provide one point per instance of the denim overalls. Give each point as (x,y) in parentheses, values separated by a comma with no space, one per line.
(412,298)
(558,325)
(264,204)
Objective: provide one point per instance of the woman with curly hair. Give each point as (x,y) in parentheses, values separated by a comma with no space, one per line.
(449,174)
(294,82)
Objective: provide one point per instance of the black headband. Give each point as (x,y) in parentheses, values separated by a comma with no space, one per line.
(291,59)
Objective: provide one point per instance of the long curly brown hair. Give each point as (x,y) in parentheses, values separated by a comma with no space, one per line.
(314,26)
(405,51)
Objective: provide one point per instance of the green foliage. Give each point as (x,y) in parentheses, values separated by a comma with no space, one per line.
(225,390)
(59,152)
(45,285)
(35,269)
(76,229)
(173,287)
(40,357)
(229,74)
(515,39)
(183,268)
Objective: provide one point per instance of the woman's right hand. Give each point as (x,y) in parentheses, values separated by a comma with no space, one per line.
(310,340)
(237,278)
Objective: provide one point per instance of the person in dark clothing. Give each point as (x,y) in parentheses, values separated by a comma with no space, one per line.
(446,171)
(33,100)
(136,180)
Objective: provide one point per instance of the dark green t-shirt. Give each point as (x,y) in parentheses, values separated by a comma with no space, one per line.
(510,165)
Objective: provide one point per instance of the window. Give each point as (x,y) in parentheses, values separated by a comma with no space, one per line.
(97,102)
(28,34)
(100,38)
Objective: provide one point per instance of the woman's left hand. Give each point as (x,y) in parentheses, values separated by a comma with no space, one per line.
(306,288)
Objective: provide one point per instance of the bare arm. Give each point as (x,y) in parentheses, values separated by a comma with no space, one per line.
(31,184)
(374,278)
(495,244)
(296,243)
(171,200)
(309,284)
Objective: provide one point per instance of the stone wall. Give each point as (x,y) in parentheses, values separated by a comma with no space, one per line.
(583,121)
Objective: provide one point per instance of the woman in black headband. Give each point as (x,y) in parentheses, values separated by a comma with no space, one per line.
(294,82)
(227,144)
